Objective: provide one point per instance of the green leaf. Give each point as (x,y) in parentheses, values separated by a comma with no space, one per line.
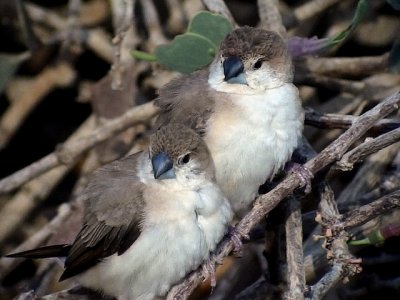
(143,55)
(186,53)
(394,57)
(196,48)
(362,8)
(374,238)
(212,26)
(8,65)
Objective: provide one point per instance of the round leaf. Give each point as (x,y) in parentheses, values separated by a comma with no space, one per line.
(212,26)
(186,53)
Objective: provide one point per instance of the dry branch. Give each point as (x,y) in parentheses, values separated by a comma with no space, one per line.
(331,121)
(312,8)
(219,7)
(270,17)
(35,191)
(97,39)
(294,252)
(367,177)
(67,152)
(59,75)
(347,66)
(64,211)
(367,148)
(344,264)
(122,27)
(367,212)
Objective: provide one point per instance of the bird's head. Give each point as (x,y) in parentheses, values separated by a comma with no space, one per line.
(251,60)
(177,152)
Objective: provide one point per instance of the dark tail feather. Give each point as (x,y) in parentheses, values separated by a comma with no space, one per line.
(44,252)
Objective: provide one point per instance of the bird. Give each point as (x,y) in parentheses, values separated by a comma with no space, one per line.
(246,109)
(150,218)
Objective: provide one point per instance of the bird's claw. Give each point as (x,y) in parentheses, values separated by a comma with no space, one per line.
(236,237)
(304,175)
(209,272)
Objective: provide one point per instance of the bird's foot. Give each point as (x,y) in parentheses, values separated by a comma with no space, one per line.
(236,236)
(303,173)
(209,272)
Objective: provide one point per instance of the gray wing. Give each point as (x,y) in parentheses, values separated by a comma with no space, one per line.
(186,100)
(114,209)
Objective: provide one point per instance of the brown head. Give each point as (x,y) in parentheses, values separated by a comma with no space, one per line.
(176,150)
(254,57)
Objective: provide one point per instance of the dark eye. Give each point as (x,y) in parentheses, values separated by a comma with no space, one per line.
(258,64)
(185,159)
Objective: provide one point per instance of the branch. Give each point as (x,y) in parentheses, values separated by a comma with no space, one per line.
(122,26)
(294,251)
(332,121)
(29,93)
(64,211)
(312,8)
(368,175)
(97,39)
(219,7)
(270,17)
(153,24)
(335,84)
(67,152)
(360,152)
(367,212)
(32,194)
(346,66)
(267,202)
(344,264)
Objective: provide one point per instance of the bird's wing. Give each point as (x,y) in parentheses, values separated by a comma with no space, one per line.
(186,100)
(114,210)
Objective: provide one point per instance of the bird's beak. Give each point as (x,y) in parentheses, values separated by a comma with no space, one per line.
(233,70)
(162,166)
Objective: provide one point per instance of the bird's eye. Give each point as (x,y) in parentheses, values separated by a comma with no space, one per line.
(258,64)
(185,159)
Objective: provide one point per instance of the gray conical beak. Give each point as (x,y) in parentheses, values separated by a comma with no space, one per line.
(233,67)
(162,166)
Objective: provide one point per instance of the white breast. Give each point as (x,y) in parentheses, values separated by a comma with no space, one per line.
(174,241)
(250,137)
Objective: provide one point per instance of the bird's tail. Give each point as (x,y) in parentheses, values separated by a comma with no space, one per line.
(44,252)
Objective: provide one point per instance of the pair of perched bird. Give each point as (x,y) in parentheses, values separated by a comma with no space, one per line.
(152,217)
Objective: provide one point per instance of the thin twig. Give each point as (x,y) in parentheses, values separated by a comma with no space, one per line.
(59,75)
(219,7)
(313,8)
(367,212)
(294,251)
(123,25)
(332,121)
(153,24)
(97,39)
(270,16)
(336,84)
(344,264)
(73,30)
(347,66)
(64,211)
(68,151)
(389,183)
(367,177)
(34,192)
(370,146)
